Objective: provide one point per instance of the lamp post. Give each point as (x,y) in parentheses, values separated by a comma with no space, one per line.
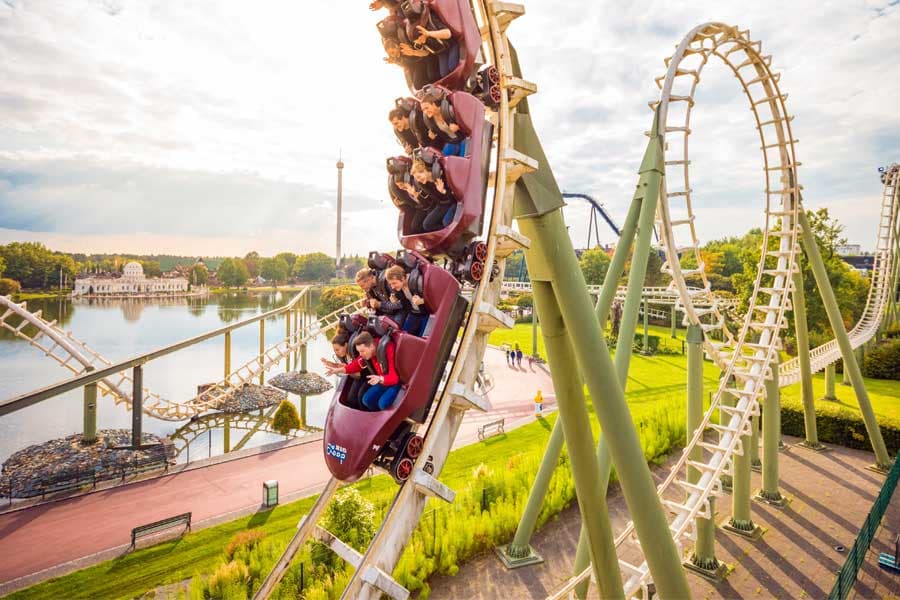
(340,170)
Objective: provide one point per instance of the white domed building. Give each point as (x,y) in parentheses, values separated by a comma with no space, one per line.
(133,282)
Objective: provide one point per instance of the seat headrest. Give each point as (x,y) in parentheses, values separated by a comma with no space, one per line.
(381,326)
(447,110)
(380,261)
(407,260)
(416,282)
(407,105)
(412,9)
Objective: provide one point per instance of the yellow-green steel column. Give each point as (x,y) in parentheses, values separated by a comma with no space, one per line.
(771,416)
(755,463)
(89,433)
(551,245)
(577,431)
(806,388)
(829,383)
(262,349)
(703,558)
(227,355)
(882,459)
(287,340)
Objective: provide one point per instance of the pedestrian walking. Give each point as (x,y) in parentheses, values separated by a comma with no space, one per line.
(531,362)
(510,357)
(538,404)
(519,356)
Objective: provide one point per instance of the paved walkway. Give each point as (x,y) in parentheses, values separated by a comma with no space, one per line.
(831,495)
(873,579)
(47,540)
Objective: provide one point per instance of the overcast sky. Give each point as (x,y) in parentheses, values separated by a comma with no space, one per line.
(213,128)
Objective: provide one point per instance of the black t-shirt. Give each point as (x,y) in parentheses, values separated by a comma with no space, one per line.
(407,138)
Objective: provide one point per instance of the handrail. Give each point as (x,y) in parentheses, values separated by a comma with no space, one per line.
(30,398)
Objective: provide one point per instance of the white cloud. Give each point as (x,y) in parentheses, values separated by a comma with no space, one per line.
(213,127)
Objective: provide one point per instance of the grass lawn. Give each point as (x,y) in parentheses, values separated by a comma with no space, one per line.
(883,394)
(653,382)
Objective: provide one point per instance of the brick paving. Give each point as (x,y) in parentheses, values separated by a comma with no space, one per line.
(873,579)
(831,494)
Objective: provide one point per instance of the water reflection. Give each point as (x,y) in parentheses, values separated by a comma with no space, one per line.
(119,329)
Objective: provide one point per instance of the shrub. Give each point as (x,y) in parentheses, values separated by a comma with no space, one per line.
(837,425)
(891,332)
(244,540)
(334,298)
(525,301)
(883,361)
(286,418)
(9,287)
(351,518)
(228,582)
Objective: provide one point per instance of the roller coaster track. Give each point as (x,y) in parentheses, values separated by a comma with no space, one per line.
(879,290)
(459,393)
(747,357)
(77,357)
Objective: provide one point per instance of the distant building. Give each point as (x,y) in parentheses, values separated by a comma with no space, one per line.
(863,264)
(132,282)
(849,250)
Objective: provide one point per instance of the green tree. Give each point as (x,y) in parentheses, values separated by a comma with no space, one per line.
(151,268)
(2,266)
(351,518)
(274,269)
(594,264)
(289,258)
(233,272)
(199,274)
(317,266)
(9,287)
(334,298)
(525,301)
(251,261)
(351,264)
(286,418)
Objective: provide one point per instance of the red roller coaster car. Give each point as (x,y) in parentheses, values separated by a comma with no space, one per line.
(457,15)
(355,439)
(466,177)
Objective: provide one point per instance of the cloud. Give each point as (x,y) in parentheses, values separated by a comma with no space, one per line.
(207,123)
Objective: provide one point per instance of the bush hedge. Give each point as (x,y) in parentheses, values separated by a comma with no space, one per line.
(883,361)
(837,425)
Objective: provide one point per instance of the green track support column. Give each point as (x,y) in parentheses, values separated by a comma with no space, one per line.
(576,427)
(551,252)
(882,459)
(646,197)
(534,333)
(604,304)
(829,383)
(755,462)
(287,339)
(89,433)
(703,559)
(226,435)
(303,420)
(645,349)
(806,388)
(771,417)
(727,480)
(741,521)
(519,553)
(674,322)
(845,375)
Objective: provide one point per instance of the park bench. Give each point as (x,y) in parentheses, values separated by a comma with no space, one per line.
(891,562)
(491,429)
(161,525)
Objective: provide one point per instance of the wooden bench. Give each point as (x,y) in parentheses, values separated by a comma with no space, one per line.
(161,525)
(491,429)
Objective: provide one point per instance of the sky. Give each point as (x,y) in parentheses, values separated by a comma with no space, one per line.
(212,128)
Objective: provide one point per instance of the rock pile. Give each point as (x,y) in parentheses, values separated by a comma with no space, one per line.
(304,384)
(252,397)
(67,463)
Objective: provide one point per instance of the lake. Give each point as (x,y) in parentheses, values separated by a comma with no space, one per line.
(120,329)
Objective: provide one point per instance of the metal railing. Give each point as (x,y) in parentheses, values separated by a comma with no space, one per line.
(857,555)
(94,377)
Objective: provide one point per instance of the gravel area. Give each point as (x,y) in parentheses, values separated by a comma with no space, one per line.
(304,384)
(253,397)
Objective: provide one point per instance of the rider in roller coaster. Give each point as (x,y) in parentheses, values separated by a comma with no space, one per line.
(385,382)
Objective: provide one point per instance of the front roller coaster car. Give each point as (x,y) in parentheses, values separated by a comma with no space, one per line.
(354,438)
(466,177)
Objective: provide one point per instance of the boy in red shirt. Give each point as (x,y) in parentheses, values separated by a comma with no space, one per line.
(385,383)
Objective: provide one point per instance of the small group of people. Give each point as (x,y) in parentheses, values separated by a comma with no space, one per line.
(415,37)
(374,380)
(426,134)
(514,356)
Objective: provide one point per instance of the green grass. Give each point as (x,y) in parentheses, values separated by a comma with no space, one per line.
(883,394)
(40,295)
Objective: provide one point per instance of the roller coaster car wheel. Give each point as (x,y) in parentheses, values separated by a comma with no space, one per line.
(493,74)
(403,469)
(494,95)
(414,446)
(480,251)
(476,271)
